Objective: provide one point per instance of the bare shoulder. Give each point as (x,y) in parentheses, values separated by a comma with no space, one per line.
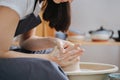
(8,22)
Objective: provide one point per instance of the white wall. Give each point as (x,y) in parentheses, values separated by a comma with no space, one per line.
(90,15)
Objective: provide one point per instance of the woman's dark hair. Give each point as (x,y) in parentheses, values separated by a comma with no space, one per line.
(58,15)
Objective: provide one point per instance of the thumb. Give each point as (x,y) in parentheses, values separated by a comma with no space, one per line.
(60,46)
(55,51)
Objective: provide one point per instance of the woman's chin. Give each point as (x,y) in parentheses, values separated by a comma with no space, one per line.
(57,2)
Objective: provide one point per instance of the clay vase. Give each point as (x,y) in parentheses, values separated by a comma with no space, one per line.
(73,67)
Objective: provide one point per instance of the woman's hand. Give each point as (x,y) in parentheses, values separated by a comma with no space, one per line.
(61,44)
(70,55)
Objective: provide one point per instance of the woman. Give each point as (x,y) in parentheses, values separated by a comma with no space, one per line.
(21,17)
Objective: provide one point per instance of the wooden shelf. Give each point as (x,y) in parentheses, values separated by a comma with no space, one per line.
(88,42)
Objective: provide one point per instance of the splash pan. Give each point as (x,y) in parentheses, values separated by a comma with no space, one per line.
(92,71)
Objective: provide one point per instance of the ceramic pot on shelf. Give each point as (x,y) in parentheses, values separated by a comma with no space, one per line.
(101,34)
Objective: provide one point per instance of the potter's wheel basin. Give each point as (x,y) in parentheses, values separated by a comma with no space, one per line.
(92,71)
(88,68)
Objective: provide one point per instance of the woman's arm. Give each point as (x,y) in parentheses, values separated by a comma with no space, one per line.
(8,22)
(32,42)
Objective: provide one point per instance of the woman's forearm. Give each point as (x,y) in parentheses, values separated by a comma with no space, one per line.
(37,43)
(14,54)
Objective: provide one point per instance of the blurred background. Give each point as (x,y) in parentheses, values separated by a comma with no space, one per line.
(90,15)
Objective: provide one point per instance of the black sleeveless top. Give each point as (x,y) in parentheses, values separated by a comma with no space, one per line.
(28,23)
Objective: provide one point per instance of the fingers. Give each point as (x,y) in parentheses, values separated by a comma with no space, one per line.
(70,57)
(60,45)
(67,44)
(73,47)
(55,51)
(66,56)
(64,63)
(72,54)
